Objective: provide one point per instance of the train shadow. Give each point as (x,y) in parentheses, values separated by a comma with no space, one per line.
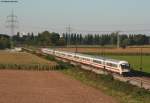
(135,73)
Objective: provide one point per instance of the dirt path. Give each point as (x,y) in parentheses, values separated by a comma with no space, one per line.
(46,87)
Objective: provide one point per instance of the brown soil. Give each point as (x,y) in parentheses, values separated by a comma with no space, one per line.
(22,58)
(46,87)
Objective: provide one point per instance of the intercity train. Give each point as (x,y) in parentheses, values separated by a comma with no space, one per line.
(111,65)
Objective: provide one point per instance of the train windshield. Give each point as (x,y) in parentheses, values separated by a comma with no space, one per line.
(125,66)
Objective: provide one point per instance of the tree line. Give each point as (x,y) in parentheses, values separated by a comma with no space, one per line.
(42,39)
(107,39)
(47,38)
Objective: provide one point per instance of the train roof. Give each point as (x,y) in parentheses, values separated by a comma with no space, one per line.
(93,57)
(100,57)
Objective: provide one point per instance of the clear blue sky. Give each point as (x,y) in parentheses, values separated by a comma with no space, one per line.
(82,15)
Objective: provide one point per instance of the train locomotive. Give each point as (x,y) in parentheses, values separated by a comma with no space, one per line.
(110,65)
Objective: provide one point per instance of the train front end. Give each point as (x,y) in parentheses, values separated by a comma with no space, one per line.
(124,68)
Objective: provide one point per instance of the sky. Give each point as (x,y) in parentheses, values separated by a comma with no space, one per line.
(83,16)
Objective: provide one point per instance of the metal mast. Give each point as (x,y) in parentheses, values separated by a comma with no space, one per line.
(12,20)
(12,17)
(118,39)
(68,31)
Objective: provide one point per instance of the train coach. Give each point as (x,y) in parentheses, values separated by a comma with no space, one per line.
(111,65)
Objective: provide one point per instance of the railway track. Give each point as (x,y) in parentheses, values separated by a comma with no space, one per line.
(142,82)
(140,79)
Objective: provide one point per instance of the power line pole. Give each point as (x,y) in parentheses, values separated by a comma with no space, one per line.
(141,64)
(118,39)
(12,20)
(141,59)
(12,16)
(76,43)
(68,31)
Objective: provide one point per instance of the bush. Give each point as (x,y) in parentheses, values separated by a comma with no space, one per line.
(28,67)
(50,57)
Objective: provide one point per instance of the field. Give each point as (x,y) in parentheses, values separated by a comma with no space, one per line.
(22,59)
(131,50)
(132,55)
(56,87)
(46,87)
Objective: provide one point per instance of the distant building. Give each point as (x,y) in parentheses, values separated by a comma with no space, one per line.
(22,34)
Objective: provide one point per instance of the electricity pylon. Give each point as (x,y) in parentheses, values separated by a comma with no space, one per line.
(12,19)
(68,31)
(118,39)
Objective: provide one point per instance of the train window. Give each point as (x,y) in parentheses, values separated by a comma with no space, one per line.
(70,55)
(114,65)
(77,57)
(83,58)
(111,64)
(87,59)
(125,66)
(96,61)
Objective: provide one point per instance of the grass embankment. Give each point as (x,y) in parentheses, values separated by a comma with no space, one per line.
(24,61)
(123,92)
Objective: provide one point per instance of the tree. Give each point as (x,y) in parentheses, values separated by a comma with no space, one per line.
(131,40)
(140,39)
(113,39)
(124,43)
(80,39)
(45,38)
(4,42)
(54,38)
(61,42)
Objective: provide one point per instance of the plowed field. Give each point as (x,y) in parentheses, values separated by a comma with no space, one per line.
(46,87)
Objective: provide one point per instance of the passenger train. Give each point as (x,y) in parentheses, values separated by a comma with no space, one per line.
(111,65)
